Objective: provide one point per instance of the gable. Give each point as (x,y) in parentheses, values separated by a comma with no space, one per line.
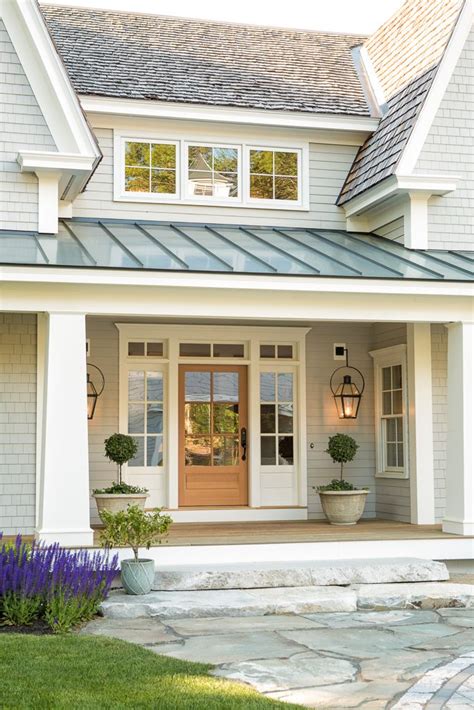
(449,149)
(23,127)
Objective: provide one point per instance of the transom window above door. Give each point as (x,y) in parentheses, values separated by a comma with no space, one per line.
(202,171)
(223,350)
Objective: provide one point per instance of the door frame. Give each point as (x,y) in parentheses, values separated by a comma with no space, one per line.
(253,336)
(213,366)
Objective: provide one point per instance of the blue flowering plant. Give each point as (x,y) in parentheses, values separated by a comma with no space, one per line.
(46,583)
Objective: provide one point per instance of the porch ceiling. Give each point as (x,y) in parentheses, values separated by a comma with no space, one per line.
(238,249)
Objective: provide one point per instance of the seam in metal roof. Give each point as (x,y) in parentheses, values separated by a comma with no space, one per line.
(231,249)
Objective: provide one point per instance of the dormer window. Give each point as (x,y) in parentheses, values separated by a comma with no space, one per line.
(150,168)
(274,174)
(213,172)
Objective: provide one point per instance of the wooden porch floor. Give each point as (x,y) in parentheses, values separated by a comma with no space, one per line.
(249,533)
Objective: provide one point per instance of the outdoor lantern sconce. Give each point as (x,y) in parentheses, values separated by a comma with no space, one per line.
(93,393)
(346,394)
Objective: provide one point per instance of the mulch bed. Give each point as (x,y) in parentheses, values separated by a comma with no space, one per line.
(37,627)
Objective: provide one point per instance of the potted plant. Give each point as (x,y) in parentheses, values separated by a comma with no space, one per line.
(119,448)
(134,528)
(343,503)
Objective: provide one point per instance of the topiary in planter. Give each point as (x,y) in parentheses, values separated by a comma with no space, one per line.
(341,448)
(120,448)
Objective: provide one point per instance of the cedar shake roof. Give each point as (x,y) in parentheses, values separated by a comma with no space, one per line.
(405,53)
(174,59)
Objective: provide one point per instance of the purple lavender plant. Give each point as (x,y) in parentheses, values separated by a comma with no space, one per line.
(47,581)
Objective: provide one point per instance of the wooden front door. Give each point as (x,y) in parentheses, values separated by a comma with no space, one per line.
(213,435)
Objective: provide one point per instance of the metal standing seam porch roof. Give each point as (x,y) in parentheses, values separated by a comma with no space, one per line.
(233,249)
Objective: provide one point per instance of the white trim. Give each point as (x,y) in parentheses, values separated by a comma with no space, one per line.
(456,548)
(399,185)
(223,515)
(429,109)
(389,357)
(182,140)
(221,114)
(172,335)
(371,75)
(50,83)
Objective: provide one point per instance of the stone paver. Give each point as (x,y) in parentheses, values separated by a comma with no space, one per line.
(400,658)
(421,595)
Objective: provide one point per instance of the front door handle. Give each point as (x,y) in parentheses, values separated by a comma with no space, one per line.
(243,443)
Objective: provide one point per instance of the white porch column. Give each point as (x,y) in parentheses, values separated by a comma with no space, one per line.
(63,506)
(459,516)
(420,423)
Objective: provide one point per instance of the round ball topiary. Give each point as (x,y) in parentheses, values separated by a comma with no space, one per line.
(120,448)
(342,448)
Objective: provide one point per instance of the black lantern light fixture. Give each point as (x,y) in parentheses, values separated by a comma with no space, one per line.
(347,394)
(93,393)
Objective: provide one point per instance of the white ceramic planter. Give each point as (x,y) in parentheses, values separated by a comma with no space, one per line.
(114,502)
(343,507)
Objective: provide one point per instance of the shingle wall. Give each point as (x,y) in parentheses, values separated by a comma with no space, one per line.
(439,372)
(393,495)
(17,422)
(22,126)
(393,230)
(449,150)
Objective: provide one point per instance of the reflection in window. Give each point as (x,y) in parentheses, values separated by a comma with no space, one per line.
(145,416)
(150,167)
(276,419)
(273,174)
(212,172)
(392,417)
(281,352)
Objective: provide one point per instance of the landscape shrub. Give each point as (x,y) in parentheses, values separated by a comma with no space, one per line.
(49,583)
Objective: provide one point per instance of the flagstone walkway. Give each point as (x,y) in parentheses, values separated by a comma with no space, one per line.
(400,659)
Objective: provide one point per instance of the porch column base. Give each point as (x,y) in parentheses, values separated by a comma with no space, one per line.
(458,527)
(67,538)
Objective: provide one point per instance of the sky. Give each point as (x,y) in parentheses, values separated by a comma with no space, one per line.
(351,16)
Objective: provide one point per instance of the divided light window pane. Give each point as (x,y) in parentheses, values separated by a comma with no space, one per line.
(274,174)
(150,167)
(392,416)
(276,419)
(145,416)
(213,172)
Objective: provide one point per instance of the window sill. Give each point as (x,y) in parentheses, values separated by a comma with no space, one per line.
(237,204)
(399,475)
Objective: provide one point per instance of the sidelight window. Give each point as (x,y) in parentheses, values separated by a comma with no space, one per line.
(277,418)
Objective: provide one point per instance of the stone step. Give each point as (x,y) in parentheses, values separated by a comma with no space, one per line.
(282,600)
(260,575)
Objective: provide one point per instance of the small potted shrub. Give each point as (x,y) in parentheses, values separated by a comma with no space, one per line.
(134,528)
(119,448)
(343,503)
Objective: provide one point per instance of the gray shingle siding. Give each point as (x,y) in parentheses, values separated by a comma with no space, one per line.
(23,126)
(449,150)
(200,61)
(17,422)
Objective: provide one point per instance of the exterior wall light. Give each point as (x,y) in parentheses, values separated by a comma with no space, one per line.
(347,395)
(93,393)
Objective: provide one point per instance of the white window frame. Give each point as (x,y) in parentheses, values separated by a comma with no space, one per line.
(182,143)
(275,204)
(279,366)
(209,199)
(390,357)
(129,196)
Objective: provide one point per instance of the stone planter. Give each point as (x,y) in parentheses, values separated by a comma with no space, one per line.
(137,575)
(114,502)
(343,507)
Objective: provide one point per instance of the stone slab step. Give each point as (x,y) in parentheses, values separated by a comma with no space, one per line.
(282,600)
(319,573)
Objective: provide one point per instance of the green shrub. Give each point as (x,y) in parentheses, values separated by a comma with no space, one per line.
(120,488)
(134,528)
(120,448)
(342,448)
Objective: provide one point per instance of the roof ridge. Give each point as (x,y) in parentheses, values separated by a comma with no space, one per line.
(228,23)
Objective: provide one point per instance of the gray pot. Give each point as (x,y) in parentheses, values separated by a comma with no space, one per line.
(115,502)
(137,577)
(343,507)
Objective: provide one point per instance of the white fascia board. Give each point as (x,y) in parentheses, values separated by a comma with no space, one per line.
(200,281)
(370,77)
(48,78)
(220,114)
(432,102)
(399,185)
(36,160)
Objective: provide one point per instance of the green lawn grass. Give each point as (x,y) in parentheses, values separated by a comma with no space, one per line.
(57,672)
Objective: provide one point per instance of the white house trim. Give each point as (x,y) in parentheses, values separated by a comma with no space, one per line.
(432,102)
(368,76)
(260,477)
(387,357)
(222,114)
